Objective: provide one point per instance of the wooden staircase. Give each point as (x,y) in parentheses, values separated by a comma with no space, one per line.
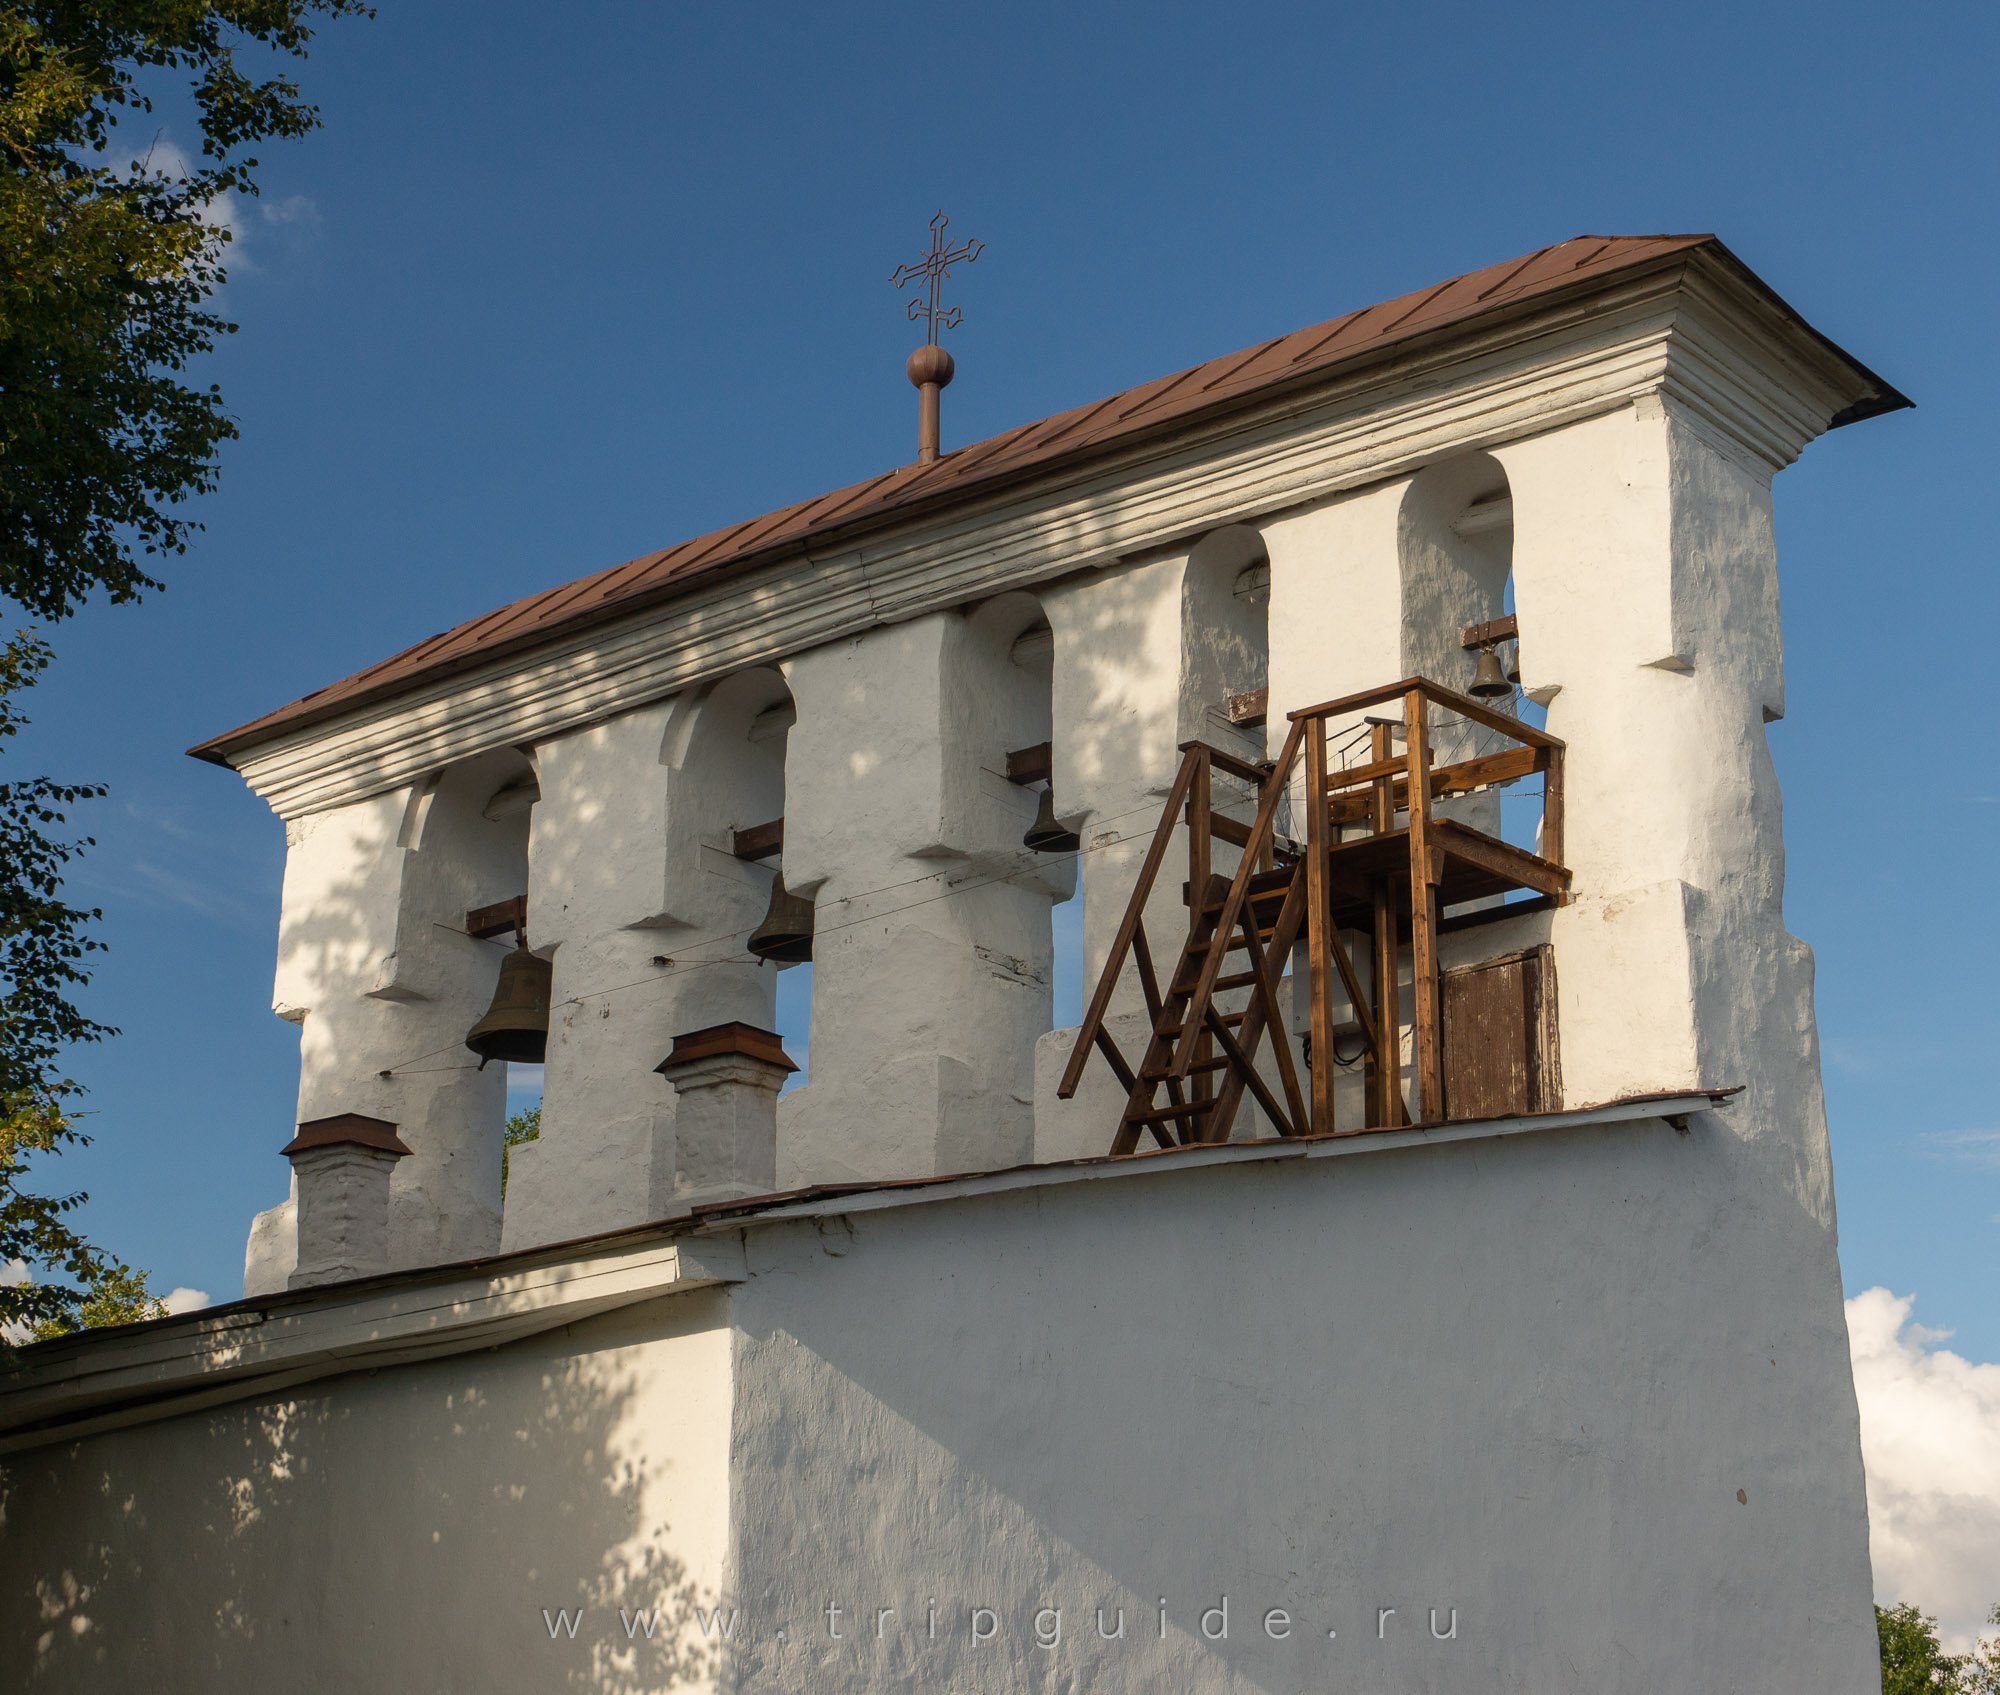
(1372,838)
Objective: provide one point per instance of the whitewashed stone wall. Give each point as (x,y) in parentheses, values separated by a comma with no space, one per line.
(1657,658)
(1635,542)
(1148,655)
(636,889)
(932,952)
(376,969)
(1576,1388)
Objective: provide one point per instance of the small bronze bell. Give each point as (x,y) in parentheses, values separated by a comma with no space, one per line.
(516,1025)
(786,935)
(1045,835)
(1489,682)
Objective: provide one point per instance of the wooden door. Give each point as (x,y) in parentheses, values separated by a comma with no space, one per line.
(1500,1055)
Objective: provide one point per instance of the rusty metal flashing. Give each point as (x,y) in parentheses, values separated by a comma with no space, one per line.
(736,1038)
(1668,1106)
(1234,382)
(348,1129)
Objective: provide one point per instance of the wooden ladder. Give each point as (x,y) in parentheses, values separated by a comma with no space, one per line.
(1377,862)
(1267,925)
(1206,1058)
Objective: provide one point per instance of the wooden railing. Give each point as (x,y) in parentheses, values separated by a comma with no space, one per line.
(1377,858)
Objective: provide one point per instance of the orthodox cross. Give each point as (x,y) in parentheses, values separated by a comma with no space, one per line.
(934,267)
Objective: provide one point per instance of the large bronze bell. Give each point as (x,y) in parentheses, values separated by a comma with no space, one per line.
(1489,682)
(516,1025)
(786,935)
(1045,835)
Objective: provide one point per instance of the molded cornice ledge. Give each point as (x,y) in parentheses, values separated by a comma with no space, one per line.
(104,1380)
(1755,378)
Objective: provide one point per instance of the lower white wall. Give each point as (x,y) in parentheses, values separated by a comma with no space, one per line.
(1586,1386)
(392,1531)
(1523,1378)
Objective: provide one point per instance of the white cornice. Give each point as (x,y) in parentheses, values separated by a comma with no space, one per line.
(1695,333)
(102,1381)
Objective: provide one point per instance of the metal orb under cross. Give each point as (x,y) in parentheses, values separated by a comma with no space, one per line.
(934,267)
(930,367)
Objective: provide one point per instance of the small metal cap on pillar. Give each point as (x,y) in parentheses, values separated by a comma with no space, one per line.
(343,1165)
(726,1081)
(930,368)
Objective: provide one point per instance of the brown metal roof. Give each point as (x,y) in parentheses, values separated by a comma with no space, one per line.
(1252,374)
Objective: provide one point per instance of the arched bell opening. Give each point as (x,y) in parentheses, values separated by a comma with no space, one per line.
(1226,659)
(1455,542)
(727,807)
(1224,704)
(1226,641)
(514,1028)
(463,924)
(1012,649)
(1017,825)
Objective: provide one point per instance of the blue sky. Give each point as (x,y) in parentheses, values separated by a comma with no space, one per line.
(576,283)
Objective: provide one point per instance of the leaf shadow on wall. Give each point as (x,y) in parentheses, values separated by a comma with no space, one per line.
(409,1524)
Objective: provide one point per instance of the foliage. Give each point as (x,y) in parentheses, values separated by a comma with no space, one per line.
(110,262)
(32,1227)
(523,1126)
(1913,1662)
(118,1295)
(42,946)
(1980,1674)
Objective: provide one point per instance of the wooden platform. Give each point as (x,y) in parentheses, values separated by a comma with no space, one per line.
(1358,870)
(1468,865)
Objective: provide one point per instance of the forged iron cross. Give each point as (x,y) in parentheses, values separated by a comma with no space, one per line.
(934,267)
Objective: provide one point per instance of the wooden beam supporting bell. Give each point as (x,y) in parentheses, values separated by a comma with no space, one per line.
(786,935)
(516,1025)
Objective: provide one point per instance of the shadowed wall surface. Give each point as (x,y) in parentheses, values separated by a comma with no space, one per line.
(393,1530)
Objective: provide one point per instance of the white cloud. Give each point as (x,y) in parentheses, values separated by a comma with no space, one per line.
(1851,1057)
(161,884)
(164,159)
(1972,1147)
(293,209)
(287,222)
(1930,1438)
(178,1300)
(160,819)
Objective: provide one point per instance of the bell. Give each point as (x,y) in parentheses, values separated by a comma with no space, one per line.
(1489,682)
(516,1025)
(1045,835)
(786,935)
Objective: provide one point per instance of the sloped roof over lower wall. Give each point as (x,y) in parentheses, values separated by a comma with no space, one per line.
(1250,375)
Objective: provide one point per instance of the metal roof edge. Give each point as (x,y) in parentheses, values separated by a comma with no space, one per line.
(1886,398)
(886,507)
(1065,462)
